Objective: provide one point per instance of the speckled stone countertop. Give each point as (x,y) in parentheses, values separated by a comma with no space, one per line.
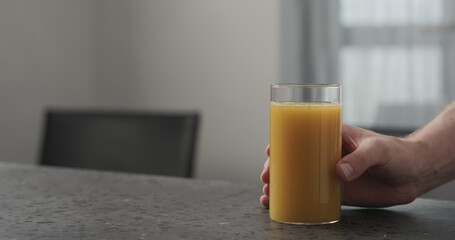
(54,203)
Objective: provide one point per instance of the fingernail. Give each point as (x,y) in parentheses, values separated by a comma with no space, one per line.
(347,169)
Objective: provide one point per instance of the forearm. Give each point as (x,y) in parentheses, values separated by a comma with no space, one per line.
(435,156)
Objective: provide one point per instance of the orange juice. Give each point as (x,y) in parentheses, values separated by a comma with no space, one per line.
(305,145)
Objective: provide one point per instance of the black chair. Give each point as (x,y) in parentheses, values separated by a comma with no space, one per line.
(151,143)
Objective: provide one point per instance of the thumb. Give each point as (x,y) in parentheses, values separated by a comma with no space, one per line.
(362,149)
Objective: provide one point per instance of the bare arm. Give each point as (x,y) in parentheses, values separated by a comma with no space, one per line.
(436,164)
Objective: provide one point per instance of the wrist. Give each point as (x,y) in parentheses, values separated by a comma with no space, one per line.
(420,168)
(432,163)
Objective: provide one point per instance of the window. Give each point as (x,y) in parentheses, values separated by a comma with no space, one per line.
(357,13)
(393,62)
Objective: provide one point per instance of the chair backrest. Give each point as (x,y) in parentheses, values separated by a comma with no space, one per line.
(152,143)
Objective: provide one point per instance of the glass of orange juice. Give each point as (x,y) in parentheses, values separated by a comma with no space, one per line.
(305,145)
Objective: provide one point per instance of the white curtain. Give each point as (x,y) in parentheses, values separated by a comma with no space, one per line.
(395,58)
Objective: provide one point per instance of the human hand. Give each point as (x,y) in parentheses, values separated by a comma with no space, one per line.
(375,170)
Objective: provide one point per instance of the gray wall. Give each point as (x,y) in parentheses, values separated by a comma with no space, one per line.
(46,58)
(214,56)
(217,57)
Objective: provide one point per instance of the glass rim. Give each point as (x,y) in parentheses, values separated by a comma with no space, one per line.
(334,85)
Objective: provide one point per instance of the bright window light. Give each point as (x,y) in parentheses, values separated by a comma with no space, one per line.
(357,13)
